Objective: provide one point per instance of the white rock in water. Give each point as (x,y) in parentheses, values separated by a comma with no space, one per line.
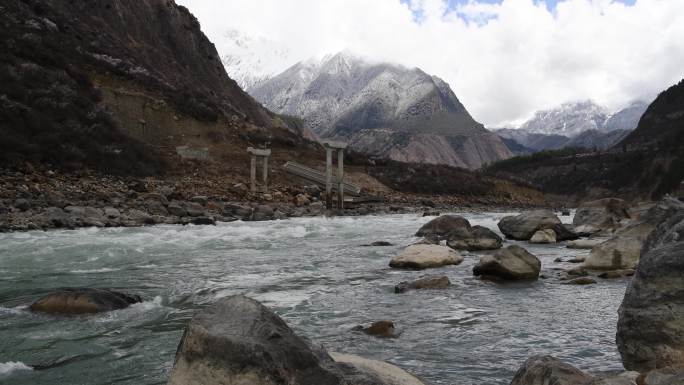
(386,373)
(423,256)
(544,236)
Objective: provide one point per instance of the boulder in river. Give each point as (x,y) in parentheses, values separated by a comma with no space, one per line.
(523,226)
(547,370)
(239,341)
(623,249)
(442,225)
(602,215)
(83,301)
(423,256)
(584,244)
(433,281)
(384,372)
(473,239)
(664,376)
(510,263)
(544,236)
(650,330)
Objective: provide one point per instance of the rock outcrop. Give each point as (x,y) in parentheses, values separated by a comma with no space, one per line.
(650,331)
(622,251)
(72,301)
(423,256)
(425,282)
(510,263)
(603,215)
(239,341)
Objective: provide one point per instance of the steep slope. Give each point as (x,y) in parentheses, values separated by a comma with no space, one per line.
(95,83)
(595,139)
(627,118)
(648,163)
(382,109)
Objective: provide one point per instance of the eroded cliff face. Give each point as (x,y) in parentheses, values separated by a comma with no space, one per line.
(98,83)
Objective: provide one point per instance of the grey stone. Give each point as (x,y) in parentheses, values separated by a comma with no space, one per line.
(510,263)
(547,370)
(523,226)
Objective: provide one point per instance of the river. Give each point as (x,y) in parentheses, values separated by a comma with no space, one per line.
(315,273)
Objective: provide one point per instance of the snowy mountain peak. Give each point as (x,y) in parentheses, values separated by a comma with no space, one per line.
(568,119)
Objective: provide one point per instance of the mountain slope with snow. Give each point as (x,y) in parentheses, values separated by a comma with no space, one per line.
(382,109)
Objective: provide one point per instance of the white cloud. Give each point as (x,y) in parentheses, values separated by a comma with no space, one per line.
(503,61)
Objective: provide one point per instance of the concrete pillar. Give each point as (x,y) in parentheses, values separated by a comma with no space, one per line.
(340,179)
(265,158)
(328,177)
(252,174)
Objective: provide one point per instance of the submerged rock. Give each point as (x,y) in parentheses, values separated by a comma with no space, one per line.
(83,301)
(523,226)
(547,370)
(581,281)
(443,225)
(380,244)
(239,341)
(544,236)
(424,282)
(423,256)
(381,329)
(511,263)
(584,244)
(650,330)
(473,239)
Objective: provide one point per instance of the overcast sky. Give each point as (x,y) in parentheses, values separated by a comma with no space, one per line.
(503,59)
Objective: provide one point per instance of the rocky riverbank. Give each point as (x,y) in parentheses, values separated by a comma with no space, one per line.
(42,199)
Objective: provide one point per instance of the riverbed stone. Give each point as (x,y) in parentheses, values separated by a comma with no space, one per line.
(433,281)
(238,341)
(584,244)
(544,236)
(547,370)
(473,238)
(423,256)
(664,376)
(83,301)
(443,225)
(523,226)
(510,263)
(581,281)
(650,330)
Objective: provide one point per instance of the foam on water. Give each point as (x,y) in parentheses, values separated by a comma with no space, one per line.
(7,368)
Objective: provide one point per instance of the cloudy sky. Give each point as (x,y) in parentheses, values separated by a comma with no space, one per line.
(504,59)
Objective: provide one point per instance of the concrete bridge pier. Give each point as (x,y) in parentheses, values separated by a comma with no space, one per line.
(257,153)
(330,148)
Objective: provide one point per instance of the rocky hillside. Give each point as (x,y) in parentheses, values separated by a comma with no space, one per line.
(382,109)
(101,83)
(648,163)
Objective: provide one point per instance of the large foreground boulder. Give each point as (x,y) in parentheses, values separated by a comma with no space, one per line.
(510,263)
(623,249)
(547,370)
(603,215)
(474,238)
(442,225)
(83,301)
(650,332)
(238,341)
(423,256)
(523,226)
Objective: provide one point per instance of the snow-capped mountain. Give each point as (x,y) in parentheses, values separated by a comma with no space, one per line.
(382,109)
(582,124)
(569,119)
(251,60)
